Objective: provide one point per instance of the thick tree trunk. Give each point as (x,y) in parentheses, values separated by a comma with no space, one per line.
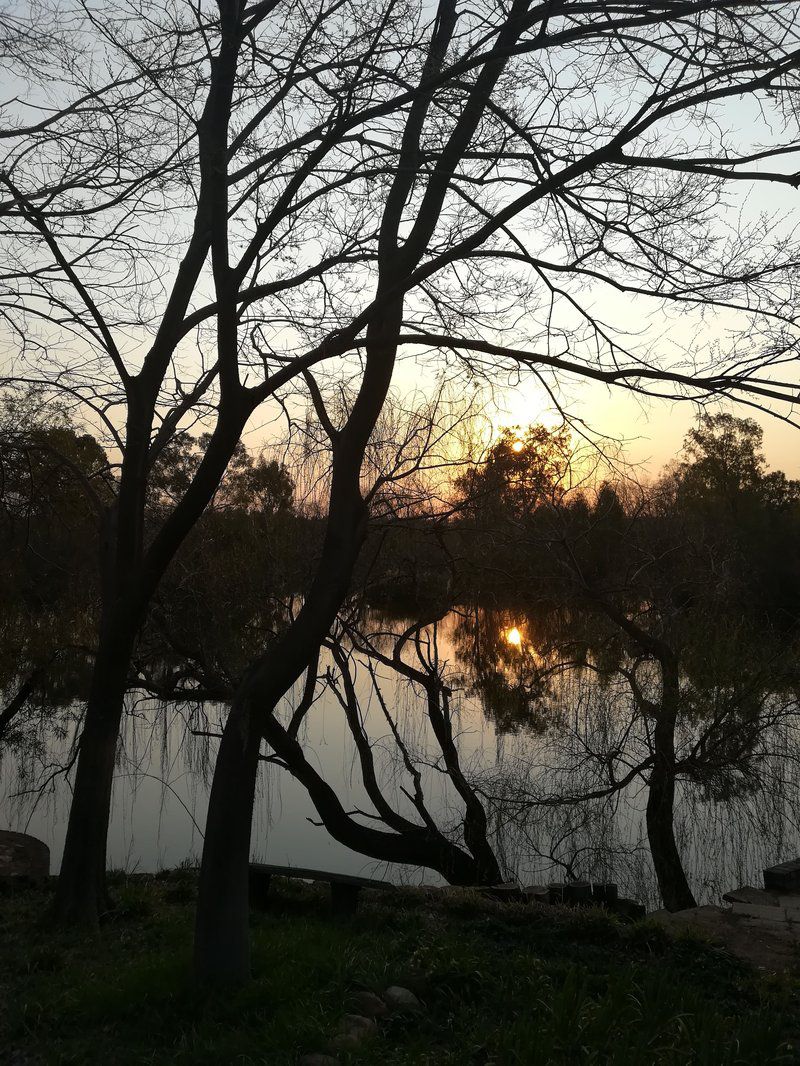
(81,893)
(222,941)
(131,571)
(222,951)
(672,882)
(222,916)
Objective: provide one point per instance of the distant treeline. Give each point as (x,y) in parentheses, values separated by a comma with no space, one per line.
(717,535)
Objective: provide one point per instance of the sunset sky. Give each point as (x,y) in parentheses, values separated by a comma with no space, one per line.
(651,431)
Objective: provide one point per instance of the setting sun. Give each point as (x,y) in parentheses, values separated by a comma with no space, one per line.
(518,445)
(513,636)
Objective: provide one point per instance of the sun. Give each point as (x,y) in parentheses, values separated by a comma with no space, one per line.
(513,636)
(517,446)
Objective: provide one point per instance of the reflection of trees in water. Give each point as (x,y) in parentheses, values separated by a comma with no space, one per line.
(573,780)
(514,658)
(552,745)
(680,594)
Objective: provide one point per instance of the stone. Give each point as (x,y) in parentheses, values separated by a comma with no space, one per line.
(759,903)
(369,1005)
(316,1058)
(358,1023)
(785,877)
(768,945)
(401,999)
(23,857)
(354,1029)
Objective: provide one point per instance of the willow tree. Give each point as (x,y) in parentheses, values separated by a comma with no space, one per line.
(220,208)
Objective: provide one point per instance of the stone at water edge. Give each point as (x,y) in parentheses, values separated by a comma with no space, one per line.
(401,999)
(317,1059)
(785,877)
(23,857)
(369,1005)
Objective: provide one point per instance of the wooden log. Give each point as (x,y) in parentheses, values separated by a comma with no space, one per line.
(576,892)
(507,892)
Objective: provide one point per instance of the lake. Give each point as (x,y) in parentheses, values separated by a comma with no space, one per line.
(163,775)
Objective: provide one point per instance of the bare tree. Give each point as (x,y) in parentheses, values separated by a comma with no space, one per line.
(216,207)
(170,142)
(415,839)
(454,195)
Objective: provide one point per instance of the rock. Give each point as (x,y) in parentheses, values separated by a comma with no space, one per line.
(369,1005)
(316,1058)
(401,999)
(358,1023)
(23,857)
(354,1029)
(785,877)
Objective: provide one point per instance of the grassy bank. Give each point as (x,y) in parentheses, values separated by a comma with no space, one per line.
(501,985)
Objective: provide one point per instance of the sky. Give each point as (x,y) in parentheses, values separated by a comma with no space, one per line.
(651,432)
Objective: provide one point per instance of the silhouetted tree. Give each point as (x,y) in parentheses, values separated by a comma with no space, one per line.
(235,204)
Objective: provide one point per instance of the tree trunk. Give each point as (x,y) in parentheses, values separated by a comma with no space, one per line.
(81,894)
(417,846)
(222,951)
(672,882)
(476,835)
(222,941)
(222,916)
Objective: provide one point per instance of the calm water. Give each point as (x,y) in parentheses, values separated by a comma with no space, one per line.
(163,778)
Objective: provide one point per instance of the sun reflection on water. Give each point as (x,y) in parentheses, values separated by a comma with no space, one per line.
(514,637)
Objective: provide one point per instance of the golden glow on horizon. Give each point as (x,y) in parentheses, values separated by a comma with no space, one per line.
(514,637)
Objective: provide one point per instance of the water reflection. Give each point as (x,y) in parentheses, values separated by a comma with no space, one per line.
(547,717)
(514,637)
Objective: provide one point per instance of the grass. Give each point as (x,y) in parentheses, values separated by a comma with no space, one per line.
(502,985)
